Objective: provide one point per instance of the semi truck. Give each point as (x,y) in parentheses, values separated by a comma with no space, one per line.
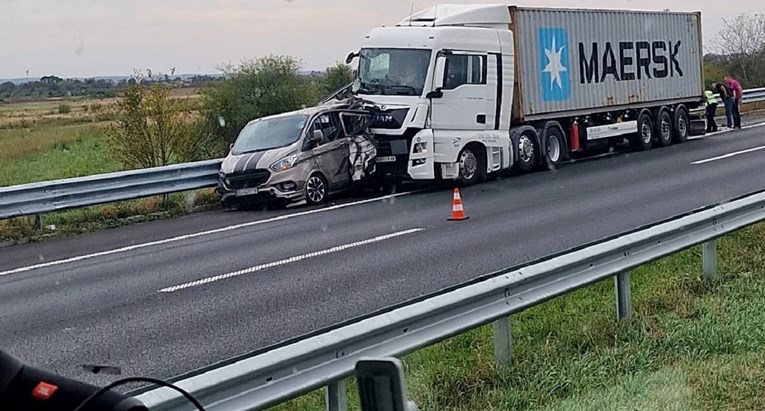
(461,92)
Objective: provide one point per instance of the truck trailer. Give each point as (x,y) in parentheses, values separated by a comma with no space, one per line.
(460,92)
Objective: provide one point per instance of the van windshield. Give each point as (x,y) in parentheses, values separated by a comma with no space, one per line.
(392,71)
(269,133)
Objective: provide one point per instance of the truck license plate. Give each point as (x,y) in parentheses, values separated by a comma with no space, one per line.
(246,192)
(384,159)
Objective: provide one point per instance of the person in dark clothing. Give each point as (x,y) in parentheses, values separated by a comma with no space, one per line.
(711,104)
(726,95)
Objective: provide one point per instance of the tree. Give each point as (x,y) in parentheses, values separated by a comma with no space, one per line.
(714,70)
(254,89)
(7,89)
(335,78)
(742,41)
(153,129)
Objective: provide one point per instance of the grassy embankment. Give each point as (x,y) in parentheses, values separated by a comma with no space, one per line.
(50,140)
(688,346)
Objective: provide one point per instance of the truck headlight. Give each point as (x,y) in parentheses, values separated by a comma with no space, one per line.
(284,164)
(421,148)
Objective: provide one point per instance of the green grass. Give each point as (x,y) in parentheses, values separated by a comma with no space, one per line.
(688,346)
(53,148)
(45,154)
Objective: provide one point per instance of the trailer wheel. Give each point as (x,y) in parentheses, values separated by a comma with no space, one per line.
(682,124)
(554,147)
(664,127)
(527,151)
(643,140)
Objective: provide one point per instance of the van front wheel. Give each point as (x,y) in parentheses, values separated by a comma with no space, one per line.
(315,190)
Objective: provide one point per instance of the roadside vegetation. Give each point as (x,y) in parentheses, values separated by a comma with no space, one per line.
(152,121)
(688,346)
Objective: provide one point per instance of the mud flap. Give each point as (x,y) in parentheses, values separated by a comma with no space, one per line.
(698,127)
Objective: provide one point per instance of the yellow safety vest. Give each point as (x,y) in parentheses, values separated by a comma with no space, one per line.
(711,99)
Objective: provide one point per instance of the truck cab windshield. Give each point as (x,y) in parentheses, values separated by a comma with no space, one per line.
(392,71)
(269,133)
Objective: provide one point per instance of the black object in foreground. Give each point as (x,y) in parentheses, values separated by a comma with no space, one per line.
(31,389)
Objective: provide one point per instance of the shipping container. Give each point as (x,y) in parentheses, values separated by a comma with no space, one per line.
(579,61)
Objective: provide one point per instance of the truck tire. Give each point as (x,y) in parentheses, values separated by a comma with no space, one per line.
(526,147)
(554,146)
(643,139)
(472,166)
(682,124)
(664,127)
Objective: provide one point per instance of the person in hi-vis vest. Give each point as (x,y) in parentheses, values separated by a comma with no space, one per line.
(711,104)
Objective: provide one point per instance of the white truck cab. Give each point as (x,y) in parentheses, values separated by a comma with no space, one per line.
(438,91)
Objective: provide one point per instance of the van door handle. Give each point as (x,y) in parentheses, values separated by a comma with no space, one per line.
(480,119)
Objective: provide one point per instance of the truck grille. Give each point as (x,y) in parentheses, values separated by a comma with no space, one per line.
(385,148)
(248,179)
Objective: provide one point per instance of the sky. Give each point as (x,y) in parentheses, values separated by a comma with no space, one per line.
(85,38)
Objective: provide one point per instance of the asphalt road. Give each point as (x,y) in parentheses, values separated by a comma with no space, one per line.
(165,297)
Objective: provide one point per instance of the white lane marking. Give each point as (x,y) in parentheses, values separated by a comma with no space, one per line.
(286,261)
(736,153)
(195,235)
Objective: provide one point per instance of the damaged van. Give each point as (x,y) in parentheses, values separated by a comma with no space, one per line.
(306,155)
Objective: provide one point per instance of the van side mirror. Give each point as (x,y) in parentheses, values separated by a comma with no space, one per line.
(439,74)
(317,137)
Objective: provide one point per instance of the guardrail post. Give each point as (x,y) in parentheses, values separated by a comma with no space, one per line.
(503,341)
(623,295)
(39,221)
(709,259)
(335,398)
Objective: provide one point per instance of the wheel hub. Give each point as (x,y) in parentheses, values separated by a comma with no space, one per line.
(646,132)
(526,149)
(553,149)
(469,165)
(315,189)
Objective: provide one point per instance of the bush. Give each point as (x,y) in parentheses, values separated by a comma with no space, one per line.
(152,129)
(335,78)
(254,89)
(64,108)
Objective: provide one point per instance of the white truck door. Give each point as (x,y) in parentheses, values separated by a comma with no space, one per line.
(462,105)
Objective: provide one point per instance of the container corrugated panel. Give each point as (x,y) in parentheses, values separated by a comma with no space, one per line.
(578,60)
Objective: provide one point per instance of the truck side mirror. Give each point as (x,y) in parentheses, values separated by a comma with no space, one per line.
(439,73)
(350,57)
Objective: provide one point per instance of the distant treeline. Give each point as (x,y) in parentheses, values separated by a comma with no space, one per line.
(54,86)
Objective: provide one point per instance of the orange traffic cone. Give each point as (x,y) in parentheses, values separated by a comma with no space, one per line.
(458,213)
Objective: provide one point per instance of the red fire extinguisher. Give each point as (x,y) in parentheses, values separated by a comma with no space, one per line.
(574,136)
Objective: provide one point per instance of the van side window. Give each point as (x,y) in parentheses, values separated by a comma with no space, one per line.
(329,124)
(464,69)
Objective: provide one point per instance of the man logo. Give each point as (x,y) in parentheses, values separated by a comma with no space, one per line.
(555,77)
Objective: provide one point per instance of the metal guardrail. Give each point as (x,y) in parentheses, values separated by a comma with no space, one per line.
(324,360)
(44,197)
(754,95)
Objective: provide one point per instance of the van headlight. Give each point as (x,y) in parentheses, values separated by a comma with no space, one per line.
(284,164)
